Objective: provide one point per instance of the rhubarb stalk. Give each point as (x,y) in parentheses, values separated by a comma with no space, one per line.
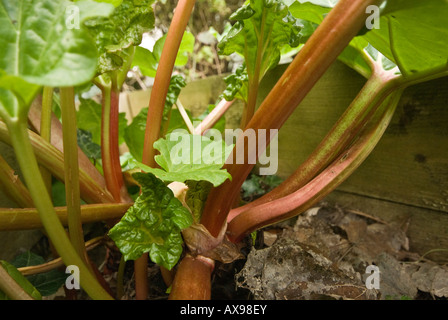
(157,100)
(378,86)
(341,168)
(321,50)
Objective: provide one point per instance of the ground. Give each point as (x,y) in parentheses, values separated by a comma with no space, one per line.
(324,253)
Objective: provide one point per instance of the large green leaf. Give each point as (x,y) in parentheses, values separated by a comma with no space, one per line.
(153,224)
(262,27)
(413,34)
(42,45)
(185,157)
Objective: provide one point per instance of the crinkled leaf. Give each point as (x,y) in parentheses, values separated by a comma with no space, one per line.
(46,283)
(153,224)
(134,134)
(90,148)
(148,61)
(236,85)
(177,82)
(123,29)
(185,157)
(21,281)
(41,45)
(262,27)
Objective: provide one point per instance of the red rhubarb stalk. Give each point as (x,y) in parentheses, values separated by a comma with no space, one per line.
(157,100)
(109,143)
(163,77)
(369,99)
(341,168)
(192,280)
(321,50)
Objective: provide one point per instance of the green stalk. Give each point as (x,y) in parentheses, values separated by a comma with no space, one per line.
(120,277)
(72,193)
(45,128)
(53,160)
(254,78)
(28,218)
(11,288)
(50,221)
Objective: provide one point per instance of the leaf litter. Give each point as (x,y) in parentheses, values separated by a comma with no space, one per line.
(324,254)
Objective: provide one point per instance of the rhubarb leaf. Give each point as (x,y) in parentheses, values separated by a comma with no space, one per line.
(123,29)
(42,45)
(153,224)
(184,156)
(90,148)
(148,61)
(47,283)
(261,29)
(413,34)
(312,11)
(134,134)
(236,85)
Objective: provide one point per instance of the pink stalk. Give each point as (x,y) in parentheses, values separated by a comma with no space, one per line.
(213,117)
(300,200)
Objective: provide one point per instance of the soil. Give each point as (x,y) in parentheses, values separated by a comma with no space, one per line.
(322,254)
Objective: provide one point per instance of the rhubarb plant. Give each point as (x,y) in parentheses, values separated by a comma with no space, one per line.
(186,213)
